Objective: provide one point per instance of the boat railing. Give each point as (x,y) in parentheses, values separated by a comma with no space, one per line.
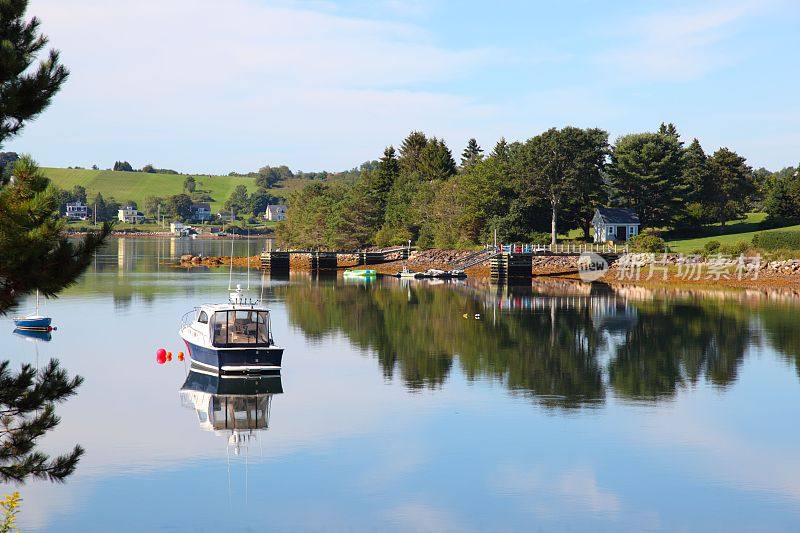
(188,318)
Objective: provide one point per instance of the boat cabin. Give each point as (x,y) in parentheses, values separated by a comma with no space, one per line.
(235,327)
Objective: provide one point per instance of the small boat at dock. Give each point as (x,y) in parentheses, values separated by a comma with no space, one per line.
(409,274)
(355,273)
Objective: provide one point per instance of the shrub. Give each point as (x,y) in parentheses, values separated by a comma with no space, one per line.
(712,247)
(777,240)
(539,237)
(647,242)
(735,249)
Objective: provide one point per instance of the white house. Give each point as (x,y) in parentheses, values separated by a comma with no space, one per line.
(614,224)
(275,213)
(201,212)
(177,228)
(77,211)
(130,215)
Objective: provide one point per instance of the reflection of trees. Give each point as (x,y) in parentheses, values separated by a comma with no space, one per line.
(677,343)
(550,351)
(418,331)
(781,329)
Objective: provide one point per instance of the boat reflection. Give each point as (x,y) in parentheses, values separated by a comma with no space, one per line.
(33,335)
(235,407)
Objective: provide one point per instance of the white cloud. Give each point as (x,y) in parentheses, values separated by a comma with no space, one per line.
(547,492)
(272,79)
(676,46)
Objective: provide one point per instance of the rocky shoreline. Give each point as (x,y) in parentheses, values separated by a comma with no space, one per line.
(635,269)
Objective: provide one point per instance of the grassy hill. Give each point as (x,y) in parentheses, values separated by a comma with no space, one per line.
(136,186)
(731,234)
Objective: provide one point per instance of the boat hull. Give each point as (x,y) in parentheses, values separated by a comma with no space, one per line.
(236,360)
(39,323)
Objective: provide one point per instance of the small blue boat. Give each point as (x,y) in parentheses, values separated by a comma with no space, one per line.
(35,321)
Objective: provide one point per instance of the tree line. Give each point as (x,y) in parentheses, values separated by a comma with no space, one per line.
(524,191)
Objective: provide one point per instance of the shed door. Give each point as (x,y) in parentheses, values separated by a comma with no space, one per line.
(622,233)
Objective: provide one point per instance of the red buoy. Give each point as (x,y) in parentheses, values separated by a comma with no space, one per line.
(180,356)
(161,359)
(49,328)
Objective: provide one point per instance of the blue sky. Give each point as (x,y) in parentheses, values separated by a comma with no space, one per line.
(191,85)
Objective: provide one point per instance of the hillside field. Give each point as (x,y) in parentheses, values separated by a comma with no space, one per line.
(732,233)
(136,186)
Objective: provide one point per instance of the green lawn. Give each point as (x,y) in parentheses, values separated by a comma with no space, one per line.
(732,233)
(136,186)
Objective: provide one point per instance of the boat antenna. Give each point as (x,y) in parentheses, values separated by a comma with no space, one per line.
(248,259)
(230,272)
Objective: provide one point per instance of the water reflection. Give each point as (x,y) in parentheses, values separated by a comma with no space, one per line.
(233,407)
(567,350)
(570,406)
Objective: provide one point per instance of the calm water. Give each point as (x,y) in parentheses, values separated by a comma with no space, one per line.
(562,407)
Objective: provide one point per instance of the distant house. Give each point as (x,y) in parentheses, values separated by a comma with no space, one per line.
(77,211)
(130,215)
(177,228)
(201,212)
(614,224)
(275,213)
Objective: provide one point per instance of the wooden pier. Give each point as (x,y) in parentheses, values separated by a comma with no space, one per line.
(279,261)
(507,267)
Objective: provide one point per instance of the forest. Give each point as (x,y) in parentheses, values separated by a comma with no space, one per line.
(535,191)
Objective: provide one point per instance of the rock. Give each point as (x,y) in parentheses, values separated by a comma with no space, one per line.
(186,258)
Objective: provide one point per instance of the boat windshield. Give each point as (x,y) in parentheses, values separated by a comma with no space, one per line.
(240,327)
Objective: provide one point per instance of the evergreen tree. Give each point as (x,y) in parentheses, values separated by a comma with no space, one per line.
(733,184)
(436,160)
(782,203)
(472,154)
(34,252)
(645,174)
(379,181)
(24,93)
(411,151)
(238,201)
(27,409)
(500,150)
(671,130)
(696,174)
